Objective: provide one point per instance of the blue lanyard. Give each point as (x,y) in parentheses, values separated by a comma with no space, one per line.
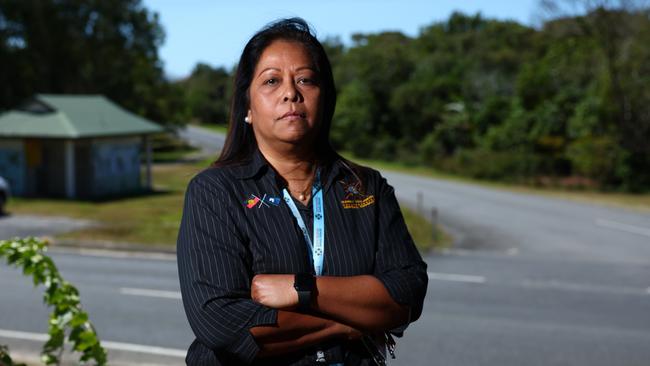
(317,246)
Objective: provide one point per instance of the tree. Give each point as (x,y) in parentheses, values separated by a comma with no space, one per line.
(207,94)
(71,46)
(620,32)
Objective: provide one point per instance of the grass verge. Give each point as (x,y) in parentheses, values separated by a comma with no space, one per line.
(425,235)
(150,219)
(215,127)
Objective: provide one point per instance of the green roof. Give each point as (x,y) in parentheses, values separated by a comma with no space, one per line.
(73,116)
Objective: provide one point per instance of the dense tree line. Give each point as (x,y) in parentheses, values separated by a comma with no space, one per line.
(499,100)
(565,102)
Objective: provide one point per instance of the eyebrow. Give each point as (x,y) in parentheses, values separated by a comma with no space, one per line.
(276,69)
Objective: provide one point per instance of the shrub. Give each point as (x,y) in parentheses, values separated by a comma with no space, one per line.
(67,316)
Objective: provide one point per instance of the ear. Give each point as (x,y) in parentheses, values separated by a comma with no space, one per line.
(249,117)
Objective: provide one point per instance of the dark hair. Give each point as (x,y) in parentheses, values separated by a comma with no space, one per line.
(240,140)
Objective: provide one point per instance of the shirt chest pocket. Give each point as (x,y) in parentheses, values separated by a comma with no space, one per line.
(351,243)
(276,245)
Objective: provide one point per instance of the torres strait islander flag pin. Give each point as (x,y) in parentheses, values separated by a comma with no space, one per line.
(275,201)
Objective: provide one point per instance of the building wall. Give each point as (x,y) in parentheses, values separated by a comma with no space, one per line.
(84,174)
(12,165)
(103,167)
(116,166)
(50,177)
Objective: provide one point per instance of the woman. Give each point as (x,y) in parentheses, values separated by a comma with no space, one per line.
(288,254)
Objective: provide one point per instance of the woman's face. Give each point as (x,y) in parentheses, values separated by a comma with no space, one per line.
(284,96)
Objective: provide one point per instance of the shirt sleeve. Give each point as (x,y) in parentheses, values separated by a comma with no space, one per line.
(399,265)
(215,274)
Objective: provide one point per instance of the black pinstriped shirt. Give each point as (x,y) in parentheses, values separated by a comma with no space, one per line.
(235,226)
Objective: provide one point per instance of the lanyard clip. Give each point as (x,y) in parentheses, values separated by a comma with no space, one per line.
(320,357)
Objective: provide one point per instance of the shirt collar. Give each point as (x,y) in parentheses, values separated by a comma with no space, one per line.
(252,167)
(257,166)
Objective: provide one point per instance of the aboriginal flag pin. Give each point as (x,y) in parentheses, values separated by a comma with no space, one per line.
(252,201)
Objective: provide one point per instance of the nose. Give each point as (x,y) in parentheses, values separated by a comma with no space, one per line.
(291,94)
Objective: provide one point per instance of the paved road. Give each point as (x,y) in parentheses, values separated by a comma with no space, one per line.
(32,225)
(483,308)
(208,141)
(489,219)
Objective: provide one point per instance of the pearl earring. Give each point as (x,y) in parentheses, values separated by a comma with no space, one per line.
(247,120)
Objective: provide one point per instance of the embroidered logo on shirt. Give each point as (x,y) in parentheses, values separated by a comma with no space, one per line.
(354,196)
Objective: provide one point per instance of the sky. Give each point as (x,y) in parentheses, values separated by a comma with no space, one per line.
(215,32)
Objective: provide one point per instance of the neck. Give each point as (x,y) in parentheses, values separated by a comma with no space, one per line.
(292,164)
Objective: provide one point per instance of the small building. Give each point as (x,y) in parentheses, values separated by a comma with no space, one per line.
(75,146)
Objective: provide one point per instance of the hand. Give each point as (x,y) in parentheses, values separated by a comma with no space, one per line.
(274,290)
(347,332)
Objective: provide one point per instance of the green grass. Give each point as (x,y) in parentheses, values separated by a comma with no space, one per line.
(638,202)
(172,156)
(425,236)
(146,219)
(214,127)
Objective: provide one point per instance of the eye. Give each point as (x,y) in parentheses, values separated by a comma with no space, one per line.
(271,81)
(307,81)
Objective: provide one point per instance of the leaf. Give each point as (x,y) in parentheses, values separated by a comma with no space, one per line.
(85,340)
(57,337)
(79,319)
(49,359)
(36,258)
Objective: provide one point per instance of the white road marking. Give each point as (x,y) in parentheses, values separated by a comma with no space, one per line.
(23,335)
(512,251)
(580,287)
(109,345)
(455,277)
(152,350)
(150,293)
(542,285)
(633,229)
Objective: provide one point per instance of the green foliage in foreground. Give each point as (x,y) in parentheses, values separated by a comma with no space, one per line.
(5,359)
(67,316)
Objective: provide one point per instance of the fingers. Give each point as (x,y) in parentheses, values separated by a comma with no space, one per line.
(274,291)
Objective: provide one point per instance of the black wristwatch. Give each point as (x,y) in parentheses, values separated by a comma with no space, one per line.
(305,285)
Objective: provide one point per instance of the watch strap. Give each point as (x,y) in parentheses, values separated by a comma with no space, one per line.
(305,285)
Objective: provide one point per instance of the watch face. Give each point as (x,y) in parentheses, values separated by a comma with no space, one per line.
(304,282)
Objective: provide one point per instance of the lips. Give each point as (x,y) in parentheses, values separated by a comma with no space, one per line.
(294,115)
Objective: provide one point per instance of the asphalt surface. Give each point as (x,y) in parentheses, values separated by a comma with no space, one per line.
(208,141)
(490,219)
(33,225)
(482,308)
